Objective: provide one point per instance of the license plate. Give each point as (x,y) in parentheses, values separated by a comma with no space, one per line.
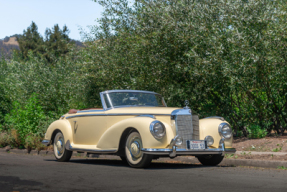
(194,144)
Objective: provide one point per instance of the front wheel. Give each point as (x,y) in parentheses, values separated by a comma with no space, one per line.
(210,160)
(133,153)
(60,152)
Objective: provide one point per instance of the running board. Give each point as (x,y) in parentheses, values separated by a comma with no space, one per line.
(70,148)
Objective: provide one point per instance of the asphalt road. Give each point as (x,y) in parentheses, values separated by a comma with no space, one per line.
(43,173)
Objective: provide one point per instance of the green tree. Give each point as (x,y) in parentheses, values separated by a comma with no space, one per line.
(56,42)
(227,57)
(31,40)
(5,103)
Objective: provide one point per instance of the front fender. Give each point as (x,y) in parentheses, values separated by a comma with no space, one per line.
(111,138)
(62,125)
(210,127)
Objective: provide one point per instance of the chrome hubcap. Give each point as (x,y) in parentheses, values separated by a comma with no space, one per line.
(135,148)
(60,146)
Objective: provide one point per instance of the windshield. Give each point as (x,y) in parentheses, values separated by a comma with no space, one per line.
(126,99)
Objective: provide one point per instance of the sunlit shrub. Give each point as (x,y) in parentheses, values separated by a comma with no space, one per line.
(25,120)
(256,132)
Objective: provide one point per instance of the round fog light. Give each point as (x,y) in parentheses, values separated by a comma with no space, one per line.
(178,141)
(209,140)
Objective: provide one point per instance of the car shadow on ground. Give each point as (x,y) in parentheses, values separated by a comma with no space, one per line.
(153,165)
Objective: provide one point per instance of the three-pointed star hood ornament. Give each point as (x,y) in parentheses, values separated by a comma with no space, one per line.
(186,103)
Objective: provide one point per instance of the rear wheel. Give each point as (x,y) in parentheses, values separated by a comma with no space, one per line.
(60,152)
(133,153)
(210,160)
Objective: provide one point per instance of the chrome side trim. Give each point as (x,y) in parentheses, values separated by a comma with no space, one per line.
(46,142)
(86,115)
(115,114)
(87,111)
(151,116)
(70,148)
(124,114)
(93,150)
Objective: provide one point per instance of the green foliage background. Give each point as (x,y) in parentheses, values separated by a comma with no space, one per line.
(228,58)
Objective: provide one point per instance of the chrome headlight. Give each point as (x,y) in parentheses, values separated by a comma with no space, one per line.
(209,140)
(224,130)
(157,129)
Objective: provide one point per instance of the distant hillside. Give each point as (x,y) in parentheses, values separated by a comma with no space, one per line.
(9,43)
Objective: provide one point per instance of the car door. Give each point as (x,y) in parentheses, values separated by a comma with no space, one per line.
(88,128)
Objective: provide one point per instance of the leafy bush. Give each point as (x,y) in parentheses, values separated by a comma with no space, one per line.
(25,120)
(256,132)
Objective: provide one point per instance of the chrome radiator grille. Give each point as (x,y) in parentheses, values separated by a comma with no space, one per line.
(187,128)
(195,125)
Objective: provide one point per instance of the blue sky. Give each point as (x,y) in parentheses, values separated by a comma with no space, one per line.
(17,15)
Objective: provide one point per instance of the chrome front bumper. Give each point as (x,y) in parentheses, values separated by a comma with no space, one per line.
(46,142)
(173,151)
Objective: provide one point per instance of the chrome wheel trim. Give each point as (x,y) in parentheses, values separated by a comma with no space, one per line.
(133,148)
(59,147)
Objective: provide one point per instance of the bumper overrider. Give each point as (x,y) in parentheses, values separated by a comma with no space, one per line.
(173,151)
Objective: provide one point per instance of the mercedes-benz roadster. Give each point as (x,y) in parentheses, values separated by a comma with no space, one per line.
(138,126)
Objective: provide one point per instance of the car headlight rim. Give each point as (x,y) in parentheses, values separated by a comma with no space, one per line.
(157,129)
(225,130)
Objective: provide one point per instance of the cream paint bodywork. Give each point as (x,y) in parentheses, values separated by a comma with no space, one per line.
(102,130)
(210,127)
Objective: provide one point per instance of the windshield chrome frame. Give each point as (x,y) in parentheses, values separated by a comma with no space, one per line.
(127,91)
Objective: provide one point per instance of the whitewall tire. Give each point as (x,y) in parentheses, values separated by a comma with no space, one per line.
(60,152)
(134,156)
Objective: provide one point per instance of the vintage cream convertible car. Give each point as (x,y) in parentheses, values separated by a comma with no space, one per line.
(139,127)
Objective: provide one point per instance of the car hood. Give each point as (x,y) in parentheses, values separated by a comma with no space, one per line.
(142,110)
